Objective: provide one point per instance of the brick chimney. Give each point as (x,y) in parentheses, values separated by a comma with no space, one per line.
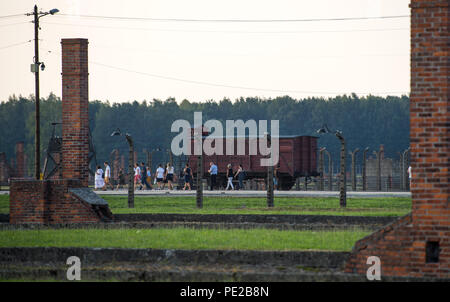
(66,200)
(75,117)
(419,244)
(4,168)
(20,160)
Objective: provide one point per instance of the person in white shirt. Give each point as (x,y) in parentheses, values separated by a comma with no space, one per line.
(108,176)
(137,176)
(160,176)
(169,175)
(99,182)
(410,176)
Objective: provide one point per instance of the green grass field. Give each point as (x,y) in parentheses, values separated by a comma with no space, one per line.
(249,205)
(184,238)
(252,205)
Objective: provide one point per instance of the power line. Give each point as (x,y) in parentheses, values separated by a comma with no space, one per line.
(230,31)
(16,44)
(233,20)
(233,86)
(352,55)
(11,24)
(11,16)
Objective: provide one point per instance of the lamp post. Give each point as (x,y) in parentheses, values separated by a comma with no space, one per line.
(130,166)
(35,69)
(342,176)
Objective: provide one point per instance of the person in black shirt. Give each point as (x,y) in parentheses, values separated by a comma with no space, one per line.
(230,177)
(240,174)
(187,177)
(144,176)
(121,180)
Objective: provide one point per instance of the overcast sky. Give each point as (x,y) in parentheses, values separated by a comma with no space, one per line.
(136,59)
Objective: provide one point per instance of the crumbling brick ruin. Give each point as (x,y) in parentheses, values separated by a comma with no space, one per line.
(66,200)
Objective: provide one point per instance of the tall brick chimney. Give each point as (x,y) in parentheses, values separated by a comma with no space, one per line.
(4,168)
(20,160)
(75,102)
(430,113)
(419,244)
(115,164)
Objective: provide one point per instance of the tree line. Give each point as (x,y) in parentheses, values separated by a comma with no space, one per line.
(364,121)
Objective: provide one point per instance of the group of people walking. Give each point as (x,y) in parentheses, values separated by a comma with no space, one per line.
(103,178)
(239,175)
(143,177)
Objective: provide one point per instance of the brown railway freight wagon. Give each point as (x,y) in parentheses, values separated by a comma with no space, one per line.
(298,158)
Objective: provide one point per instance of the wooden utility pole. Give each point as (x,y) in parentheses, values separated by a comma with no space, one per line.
(37,134)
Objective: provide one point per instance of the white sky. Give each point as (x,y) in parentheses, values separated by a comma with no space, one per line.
(299,59)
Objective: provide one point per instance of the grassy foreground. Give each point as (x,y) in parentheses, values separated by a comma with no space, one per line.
(184,238)
(253,205)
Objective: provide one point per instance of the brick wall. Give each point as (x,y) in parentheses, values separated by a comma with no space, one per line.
(47,202)
(75,118)
(419,243)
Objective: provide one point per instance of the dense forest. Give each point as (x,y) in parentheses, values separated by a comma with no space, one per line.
(365,121)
